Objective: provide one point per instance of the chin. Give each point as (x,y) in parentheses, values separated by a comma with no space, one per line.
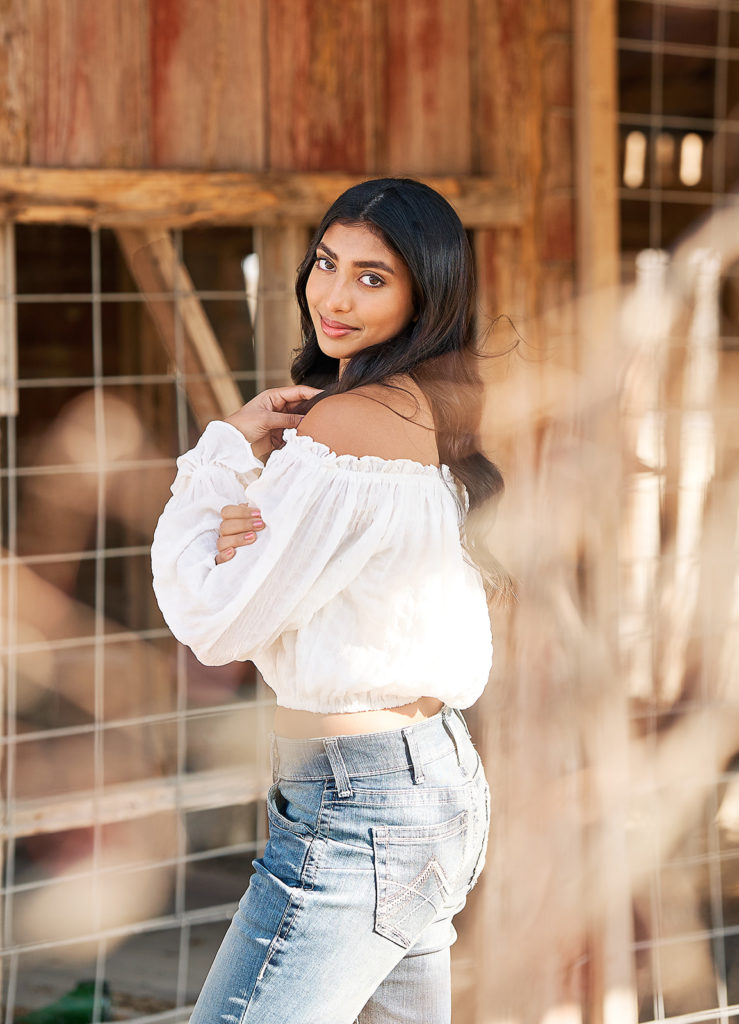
(329,350)
(334,349)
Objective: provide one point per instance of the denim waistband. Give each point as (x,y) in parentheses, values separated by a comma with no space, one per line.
(369,753)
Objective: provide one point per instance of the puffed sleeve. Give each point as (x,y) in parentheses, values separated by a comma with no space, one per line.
(322,524)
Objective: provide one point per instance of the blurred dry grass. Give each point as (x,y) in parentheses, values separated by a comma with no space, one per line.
(612,711)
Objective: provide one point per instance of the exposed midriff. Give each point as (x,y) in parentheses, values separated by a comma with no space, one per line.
(297,724)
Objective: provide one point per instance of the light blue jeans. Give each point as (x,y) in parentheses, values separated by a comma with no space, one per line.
(375,840)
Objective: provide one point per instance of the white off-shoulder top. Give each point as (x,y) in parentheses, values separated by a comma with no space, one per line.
(356,595)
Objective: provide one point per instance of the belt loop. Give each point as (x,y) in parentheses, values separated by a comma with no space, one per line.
(274,757)
(452,732)
(461,717)
(341,776)
(415,754)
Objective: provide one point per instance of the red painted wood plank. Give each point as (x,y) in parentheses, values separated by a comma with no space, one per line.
(559,150)
(425,121)
(557,71)
(507,38)
(207,84)
(501,43)
(559,15)
(87,83)
(13,97)
(557,241)
(321,93)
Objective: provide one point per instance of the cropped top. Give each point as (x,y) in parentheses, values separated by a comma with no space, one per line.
(356,595)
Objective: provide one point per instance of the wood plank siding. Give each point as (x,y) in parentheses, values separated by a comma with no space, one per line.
(361,87)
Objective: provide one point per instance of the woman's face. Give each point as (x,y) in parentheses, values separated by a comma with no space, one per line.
(359,292)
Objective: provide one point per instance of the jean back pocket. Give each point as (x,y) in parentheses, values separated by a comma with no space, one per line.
(417,869)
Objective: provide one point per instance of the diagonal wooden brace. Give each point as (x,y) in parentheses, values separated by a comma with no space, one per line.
(163,279)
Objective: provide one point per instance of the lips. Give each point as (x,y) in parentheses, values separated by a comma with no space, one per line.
(335,329)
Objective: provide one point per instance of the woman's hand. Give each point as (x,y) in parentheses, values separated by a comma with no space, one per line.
(263,419)
(238,527)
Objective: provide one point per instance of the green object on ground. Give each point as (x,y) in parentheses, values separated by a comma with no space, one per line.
(73,1008)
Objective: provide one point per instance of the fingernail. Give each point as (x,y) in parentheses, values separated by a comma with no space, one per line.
(228,552)
(249,536)
(258,522)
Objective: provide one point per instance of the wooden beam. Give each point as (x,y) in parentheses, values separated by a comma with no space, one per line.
(195,791)
(277,327)
(596,149)
(612,994)
(8,332)
(157,269)
(119,198)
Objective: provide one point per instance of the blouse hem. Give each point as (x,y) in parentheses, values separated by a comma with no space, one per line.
(383,704)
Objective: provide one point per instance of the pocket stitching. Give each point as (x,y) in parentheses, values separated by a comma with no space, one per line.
(432,867)
(417,833)
(289,915)
(382,835)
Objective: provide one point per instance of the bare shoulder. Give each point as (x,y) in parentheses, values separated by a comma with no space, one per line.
(370,420)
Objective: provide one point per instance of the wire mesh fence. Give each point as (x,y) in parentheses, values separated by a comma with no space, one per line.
(679,130)
(134,776)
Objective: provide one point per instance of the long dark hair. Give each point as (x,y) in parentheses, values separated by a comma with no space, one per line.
(437,349)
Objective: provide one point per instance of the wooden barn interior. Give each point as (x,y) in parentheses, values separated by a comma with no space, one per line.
(162,164)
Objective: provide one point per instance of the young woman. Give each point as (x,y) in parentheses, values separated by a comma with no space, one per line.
(320,532)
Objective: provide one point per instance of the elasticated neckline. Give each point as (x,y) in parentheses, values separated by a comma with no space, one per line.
(363,463)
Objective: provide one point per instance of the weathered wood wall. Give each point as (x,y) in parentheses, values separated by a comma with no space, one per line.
(361,86)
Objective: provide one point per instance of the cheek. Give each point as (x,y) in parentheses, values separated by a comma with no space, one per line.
(398,314)
(311,289)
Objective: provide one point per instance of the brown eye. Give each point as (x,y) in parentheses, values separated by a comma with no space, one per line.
(372,280)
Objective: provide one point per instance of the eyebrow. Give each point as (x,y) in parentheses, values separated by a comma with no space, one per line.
(357,263)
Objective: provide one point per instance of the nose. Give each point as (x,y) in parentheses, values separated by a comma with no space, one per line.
(338,299)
